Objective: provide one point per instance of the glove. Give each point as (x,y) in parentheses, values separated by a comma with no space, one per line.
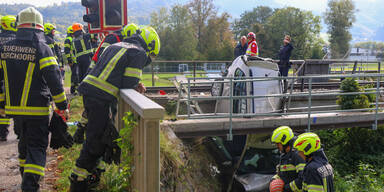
(59,134)
(112,150)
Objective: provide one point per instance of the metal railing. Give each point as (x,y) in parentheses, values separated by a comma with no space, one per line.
(375,107)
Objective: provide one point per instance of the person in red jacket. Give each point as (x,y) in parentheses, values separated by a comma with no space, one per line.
(253,49)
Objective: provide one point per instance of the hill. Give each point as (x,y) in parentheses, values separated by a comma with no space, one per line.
(63,15)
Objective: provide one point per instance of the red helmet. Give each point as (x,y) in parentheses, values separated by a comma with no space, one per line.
(251,35)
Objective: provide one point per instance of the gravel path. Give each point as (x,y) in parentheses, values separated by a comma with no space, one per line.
(10,178)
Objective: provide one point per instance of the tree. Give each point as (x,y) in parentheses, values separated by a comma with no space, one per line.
(339,17)
(176,33)
(201,11)
(248,20)
(302,26)
(217,39)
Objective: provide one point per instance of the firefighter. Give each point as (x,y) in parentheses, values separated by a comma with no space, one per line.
(8,33)
(318,173)
(49,30)
(120,67)
(110,39)
(68,59)
(291,166)
(82,49)
(31,74)
(253,49)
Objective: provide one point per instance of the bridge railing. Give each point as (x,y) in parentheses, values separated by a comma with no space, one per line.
(375,107)
(312,67)
(146,139)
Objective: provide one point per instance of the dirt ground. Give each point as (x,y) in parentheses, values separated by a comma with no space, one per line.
(10,179)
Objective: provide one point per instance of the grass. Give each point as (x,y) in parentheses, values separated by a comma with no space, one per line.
(67,157)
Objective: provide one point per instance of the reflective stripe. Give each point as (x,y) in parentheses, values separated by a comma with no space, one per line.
(325,184)
(293,186)
(111,64)
(35,169)
(312,188)
(133,72)
(92,65)
(5,121)
(47,61)
(59,98)
(300,167)
(103,85)
(287,167)
(83,173)
(27,84)
(83,53)
(23,110)
(21,162)
(105,44)
(8,99)
(2,97)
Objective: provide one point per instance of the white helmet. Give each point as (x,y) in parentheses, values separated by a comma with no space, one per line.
(30,18)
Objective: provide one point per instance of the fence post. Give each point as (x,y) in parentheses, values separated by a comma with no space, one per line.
(153,75)
(146,139)
(354,67)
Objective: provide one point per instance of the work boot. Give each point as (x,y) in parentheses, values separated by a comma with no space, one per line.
(78,137)
(76,185)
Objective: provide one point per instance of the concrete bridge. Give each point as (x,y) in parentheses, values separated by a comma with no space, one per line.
(266,124)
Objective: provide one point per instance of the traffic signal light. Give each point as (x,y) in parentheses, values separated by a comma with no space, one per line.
(113,13)
(105,15)
(93,13)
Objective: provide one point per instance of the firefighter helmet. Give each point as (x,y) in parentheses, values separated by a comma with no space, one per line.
(8,23)
(48,28)
(30,18)
(282,134)
(251,35)
(70,30)
(77,27)
(152,40)
(307,143)
(130,29)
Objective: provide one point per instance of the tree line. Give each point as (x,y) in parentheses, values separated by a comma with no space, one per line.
(196,31)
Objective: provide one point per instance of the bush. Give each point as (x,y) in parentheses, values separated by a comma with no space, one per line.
(352,101)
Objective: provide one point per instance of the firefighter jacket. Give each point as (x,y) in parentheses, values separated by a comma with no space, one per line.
(31,75)
(82,45)
(318,174)
(55,48)
(253,49)
(120,67)
(68,52)
(291,170)
(6,36)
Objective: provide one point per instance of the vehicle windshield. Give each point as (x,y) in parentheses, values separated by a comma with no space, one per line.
(261,161)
